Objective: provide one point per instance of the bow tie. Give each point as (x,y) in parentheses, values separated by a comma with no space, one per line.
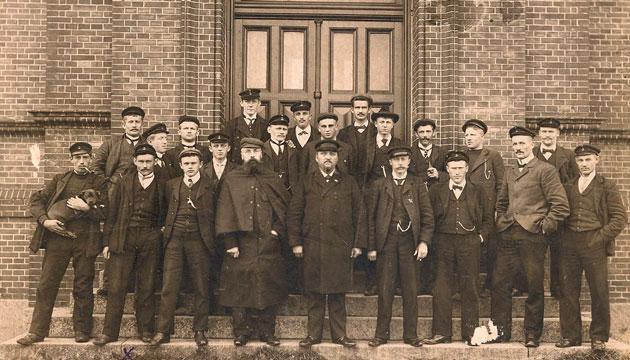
(550,151)
(277,143)
(457,187)
(303,132)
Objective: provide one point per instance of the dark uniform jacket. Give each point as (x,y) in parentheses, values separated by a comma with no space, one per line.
(419,165)
(173,156)
(237,129)
(209,170)
(371,152)
(120,210)
(328,219)
(107,157)
(381,205)
(43,199)
(293,171)
(292,136)
(168,169)
(308,163)
(533,197)
(487,171)
(204,201)
(349,136)
(610,209)
(481,214)
(564,161)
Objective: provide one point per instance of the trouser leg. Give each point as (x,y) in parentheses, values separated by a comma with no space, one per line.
(337,315)
(197,257)
(407,271)
(442,299)
(502,277)
(595,265)
(316,308)
(120,268)
(173,267)
(241,319)
(146,273)
(570,288)
(267,321)
(467,254)
(82,291)
(532,252)
(554,265)
(387,272)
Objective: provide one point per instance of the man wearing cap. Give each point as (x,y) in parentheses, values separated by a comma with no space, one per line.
(132,238)
(463,220)
(597,217)
(188,133)
(220,164)
(303,133)
(326,129)
(400,226)
(530,205)
(486,169)
(157,137)
(564,162)
(278,155)
(251,223)
(357,135)
(248,124)
(60,249)
(327,227)
(188,235)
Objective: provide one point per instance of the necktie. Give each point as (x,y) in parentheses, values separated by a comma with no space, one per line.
(189,183)
(384,142)
(159,162)
(425,153)
(548,151)
(303,132)
(399,182)
(280,146)
(457,187)
(361,128)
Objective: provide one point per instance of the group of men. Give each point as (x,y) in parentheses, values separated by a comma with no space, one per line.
(274,210)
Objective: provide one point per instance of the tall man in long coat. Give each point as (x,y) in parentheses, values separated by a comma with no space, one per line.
(251,212)
(400,223)
(60,249)
(248,124)
(327,226)
(597,216)
(132,240)
(564,161)
(530,205)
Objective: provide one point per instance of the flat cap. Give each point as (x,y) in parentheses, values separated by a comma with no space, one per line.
(586,149)
(304,105)
(249,142)
(476,123)
(423,122)
(279,120)
(399,151)
(324,116)
(218,137)
(456,155)
(361,98)
(80,148)
(144,149)
(249,94)
(190,152)
(155,129)
(188,118)
(549,123)
(385,113)
(519,130)
(327,145)
(133,110)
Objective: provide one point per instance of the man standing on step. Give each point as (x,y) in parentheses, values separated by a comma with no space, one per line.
(400,226)
(188,238)
(251,223)
(157,136)
(357,134)
(530,205)
(188,133)
(220,164)
(248,124)
(564,161)
(327,227)
(327,129)
(278,155)
(303,133)
(597,217)
(132,238)
(463,220)
(51,234)
(486,170)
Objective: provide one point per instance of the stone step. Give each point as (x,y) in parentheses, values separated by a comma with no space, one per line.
(67,349)
(294,327)
(356,305)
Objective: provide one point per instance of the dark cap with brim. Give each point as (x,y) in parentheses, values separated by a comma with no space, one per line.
(399,151)
(155,129)
(249,142)
(218,138)
(190,152)
(80,148)
(586,149)
(327,145)
(475,123)
(456,155)
(133,110)
(249,94)
(278,120)
(144,149)
(301,106)
(385,113)
(521,131)
(549,123)
(325,116)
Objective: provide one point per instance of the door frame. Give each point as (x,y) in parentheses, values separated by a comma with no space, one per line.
(334,11)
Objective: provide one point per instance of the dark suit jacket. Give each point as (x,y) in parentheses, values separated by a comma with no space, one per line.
(169,170)
(237,129)
(120,209)
(209,170)
(419,165)
(488,172)
(205,203)
(43,199)
(610,209)
(371,152)
(308,164)
(294,159)
(564,163)
(292,136)
(173,157)
(349,136)
(474,198)
(107,156)
(533,197)
(381,205)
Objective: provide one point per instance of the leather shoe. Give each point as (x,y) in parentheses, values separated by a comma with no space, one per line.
(241,340)
(376,342)
(200,338)
(565,343)
(309,341)
(370,291)
(81,337)
(146,338)
(270,340)
(345,342)
(437,339)
(30,339)
(532,343)
(159,339)
(102,340)
(598,345)
(415,342)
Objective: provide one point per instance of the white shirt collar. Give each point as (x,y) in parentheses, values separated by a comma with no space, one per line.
(299,129)
(160,155)
(451,183)
(365,123)
(379,140)
(188,144)
(324,174)
(249,118)
(586,180)
(526,160)
(430,147)
(399,178)
(145,181)
(543,148)
(217,163)
(194,178)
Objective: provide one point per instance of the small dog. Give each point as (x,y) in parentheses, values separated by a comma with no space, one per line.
(60,211)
